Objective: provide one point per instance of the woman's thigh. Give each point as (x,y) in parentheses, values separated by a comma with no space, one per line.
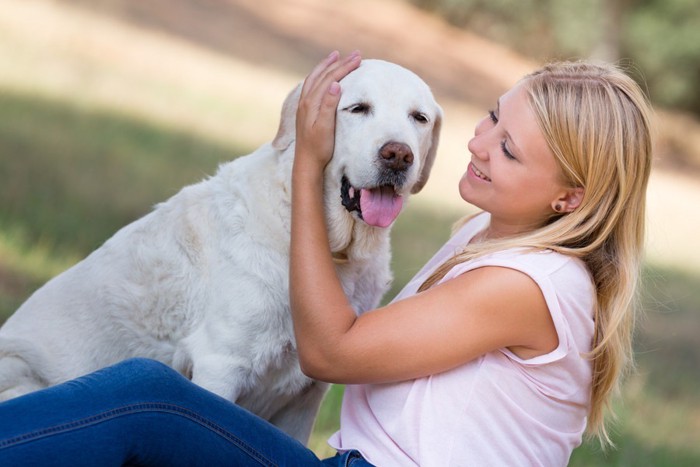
(139,412)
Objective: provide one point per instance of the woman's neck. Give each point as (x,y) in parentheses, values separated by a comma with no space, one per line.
(497,230)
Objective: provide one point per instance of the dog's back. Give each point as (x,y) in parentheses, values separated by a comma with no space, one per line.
(128,298)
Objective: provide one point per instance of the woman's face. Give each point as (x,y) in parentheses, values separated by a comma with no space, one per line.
(512,173)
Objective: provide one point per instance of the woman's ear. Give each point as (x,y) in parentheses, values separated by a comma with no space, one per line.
(569,200)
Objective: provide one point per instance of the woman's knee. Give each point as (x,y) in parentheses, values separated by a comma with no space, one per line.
(142,376)
(143,367)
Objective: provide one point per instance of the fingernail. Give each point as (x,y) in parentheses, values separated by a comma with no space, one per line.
(333,55)
(334,89)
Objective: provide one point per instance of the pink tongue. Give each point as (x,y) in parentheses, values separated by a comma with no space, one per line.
(380,206)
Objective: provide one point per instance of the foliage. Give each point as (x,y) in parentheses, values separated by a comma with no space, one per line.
(663,38)
(659,39)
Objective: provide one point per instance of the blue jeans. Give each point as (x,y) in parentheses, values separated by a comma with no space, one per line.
(141,412)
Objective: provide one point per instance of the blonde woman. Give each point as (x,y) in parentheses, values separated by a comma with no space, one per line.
(512,339)
(503,350)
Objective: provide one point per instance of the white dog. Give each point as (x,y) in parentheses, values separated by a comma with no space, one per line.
(201,283)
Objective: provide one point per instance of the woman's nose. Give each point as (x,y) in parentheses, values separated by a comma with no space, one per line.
(483,126)
(478,145)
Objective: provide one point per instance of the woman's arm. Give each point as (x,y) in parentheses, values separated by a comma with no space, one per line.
(315,291)
(448,325)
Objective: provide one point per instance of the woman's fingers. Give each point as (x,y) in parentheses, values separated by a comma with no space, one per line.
(320,91)
(319,69)
(317,108)
(328,88)
(331,70)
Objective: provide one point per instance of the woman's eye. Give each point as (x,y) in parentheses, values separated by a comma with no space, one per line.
(505,150)
(419,117)
(493,117)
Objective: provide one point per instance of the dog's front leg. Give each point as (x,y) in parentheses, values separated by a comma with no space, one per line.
(223,375)
(298,416)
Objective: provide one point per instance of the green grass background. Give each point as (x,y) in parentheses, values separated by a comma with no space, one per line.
(71,175)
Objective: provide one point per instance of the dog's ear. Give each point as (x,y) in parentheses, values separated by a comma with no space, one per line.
(286,133)
(432,152)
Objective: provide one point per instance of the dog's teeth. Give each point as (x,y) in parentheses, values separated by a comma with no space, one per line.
(351,192)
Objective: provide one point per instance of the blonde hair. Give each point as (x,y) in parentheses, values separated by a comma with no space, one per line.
(596,121)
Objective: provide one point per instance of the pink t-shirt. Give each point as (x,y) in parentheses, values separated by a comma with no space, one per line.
(497,410)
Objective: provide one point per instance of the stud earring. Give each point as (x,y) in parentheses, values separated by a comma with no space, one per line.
(557,207)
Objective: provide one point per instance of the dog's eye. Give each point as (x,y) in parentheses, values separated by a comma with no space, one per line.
(361,108)
(419,117)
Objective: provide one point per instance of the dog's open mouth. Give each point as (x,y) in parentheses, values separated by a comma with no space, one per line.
(375,206)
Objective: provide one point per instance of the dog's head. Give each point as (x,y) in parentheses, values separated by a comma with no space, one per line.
(387,132)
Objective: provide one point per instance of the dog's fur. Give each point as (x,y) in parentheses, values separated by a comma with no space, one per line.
(201,283)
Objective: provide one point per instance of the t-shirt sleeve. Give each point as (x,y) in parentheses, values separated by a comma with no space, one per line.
(561,281)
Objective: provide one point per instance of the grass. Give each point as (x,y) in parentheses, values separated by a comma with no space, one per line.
(70,176)
(118,160)
(660,409)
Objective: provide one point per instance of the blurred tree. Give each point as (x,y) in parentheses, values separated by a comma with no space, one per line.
(542,29)
(659,38)
(610,16)
(663,38)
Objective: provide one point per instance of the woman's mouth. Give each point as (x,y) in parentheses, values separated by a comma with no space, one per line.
(478,173)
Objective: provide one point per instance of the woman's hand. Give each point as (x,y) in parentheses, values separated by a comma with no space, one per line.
(315,123)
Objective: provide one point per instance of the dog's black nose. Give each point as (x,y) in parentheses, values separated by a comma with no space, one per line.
(396,156)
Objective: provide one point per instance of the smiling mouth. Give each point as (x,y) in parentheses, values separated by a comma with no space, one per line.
(479,173)
(378,206)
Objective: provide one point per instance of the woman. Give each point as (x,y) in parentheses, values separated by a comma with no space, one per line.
(503,350)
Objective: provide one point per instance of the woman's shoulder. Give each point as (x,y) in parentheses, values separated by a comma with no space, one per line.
(545,262)
(532,261)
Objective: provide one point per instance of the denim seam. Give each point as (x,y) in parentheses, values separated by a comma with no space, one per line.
(135,408)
